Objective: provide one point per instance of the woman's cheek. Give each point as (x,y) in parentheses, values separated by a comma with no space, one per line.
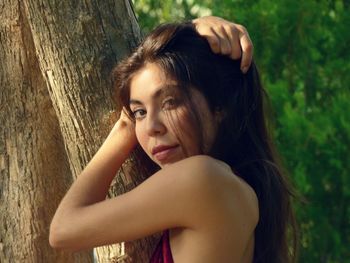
(141,137)
(185,124)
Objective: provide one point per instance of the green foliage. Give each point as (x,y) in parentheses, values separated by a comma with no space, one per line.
(302,51)
(153,12)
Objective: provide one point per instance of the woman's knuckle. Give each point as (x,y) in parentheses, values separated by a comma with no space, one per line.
(228,28)
(249,47)
(214,44)
(226,50)
(234,30)
(242,28)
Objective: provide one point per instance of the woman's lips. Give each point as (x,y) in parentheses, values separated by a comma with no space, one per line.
(163,152)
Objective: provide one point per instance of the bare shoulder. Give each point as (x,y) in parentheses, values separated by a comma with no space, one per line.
(200,174)
(203,169)
(199,166)
(219,206)
(211,187)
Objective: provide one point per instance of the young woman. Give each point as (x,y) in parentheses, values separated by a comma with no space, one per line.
(215,187)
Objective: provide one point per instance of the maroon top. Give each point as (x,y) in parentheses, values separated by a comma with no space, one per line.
(162,253)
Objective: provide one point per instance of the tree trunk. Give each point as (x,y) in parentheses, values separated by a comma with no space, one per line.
(56,109)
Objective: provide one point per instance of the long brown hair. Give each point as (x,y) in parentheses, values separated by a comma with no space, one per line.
(242,141)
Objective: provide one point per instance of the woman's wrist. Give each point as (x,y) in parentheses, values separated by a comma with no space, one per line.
(122,138)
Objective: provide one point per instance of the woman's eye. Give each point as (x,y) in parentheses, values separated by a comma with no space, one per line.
(169,103)
(139,113)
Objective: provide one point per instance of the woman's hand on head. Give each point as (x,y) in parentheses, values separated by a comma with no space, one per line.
(226,38)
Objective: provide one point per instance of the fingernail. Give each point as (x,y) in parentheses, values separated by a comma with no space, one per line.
(244,69)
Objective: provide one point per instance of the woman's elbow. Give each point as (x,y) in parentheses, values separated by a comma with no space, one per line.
(59,238)
(54,242)
(56,238)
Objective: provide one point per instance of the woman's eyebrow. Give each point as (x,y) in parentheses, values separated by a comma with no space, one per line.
(135,102)
(161,91)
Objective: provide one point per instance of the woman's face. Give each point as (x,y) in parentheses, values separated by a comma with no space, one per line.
(164,126)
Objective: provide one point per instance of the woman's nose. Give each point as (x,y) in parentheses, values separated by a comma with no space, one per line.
(155,124)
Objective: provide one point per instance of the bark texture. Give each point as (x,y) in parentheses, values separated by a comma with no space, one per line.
(55,110)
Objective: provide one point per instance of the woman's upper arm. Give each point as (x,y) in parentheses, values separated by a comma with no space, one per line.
(172,197)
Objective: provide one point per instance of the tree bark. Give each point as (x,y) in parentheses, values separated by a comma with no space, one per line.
(56,109)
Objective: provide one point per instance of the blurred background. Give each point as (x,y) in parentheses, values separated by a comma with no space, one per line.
(302,49)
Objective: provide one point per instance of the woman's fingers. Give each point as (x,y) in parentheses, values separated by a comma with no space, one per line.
(233,36)
(246,45)
(213,41)
(226,38)
(233,40)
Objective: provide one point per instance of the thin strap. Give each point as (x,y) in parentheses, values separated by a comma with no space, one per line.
(167,256)
(162,253)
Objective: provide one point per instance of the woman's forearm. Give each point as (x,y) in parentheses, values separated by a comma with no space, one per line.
(93,183)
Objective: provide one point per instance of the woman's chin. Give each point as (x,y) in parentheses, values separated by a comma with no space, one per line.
(168,156)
